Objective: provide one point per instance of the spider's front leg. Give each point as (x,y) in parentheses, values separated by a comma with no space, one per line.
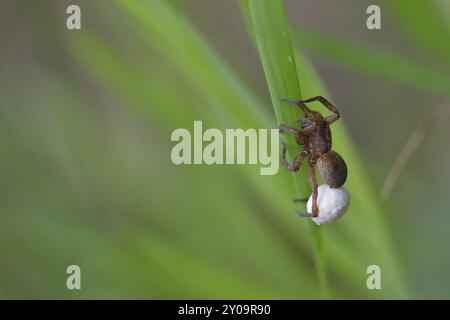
(299,135)
(327,104)
(290,130)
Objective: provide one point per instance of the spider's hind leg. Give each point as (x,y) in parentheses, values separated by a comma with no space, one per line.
(301,200)
(304,214)
(313,183)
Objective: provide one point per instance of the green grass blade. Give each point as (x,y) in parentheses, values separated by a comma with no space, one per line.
(272,36)
(366,224)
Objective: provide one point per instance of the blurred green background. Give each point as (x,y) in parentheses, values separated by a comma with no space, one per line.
(86,176)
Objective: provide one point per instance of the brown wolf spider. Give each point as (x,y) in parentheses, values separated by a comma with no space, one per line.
(315,137)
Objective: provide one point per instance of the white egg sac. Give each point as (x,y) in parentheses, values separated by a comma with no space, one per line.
(332,203)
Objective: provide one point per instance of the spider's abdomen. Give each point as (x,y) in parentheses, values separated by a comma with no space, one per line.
(332,169)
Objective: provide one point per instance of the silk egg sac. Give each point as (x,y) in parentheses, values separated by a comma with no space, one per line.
(332,203)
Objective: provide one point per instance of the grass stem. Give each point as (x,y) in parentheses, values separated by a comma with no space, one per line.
(271,33)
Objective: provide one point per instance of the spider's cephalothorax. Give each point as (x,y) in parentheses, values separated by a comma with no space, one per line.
(315,137)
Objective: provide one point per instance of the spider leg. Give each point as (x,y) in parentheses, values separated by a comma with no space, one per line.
(304,214)
(313,184)
(301,200)
(286,129)
(299,103)
(328,105)
(297,162)
(298,134)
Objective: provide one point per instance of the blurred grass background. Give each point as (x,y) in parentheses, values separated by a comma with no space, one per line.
(86,176)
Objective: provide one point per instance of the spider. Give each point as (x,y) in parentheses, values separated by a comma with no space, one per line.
(315,137)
